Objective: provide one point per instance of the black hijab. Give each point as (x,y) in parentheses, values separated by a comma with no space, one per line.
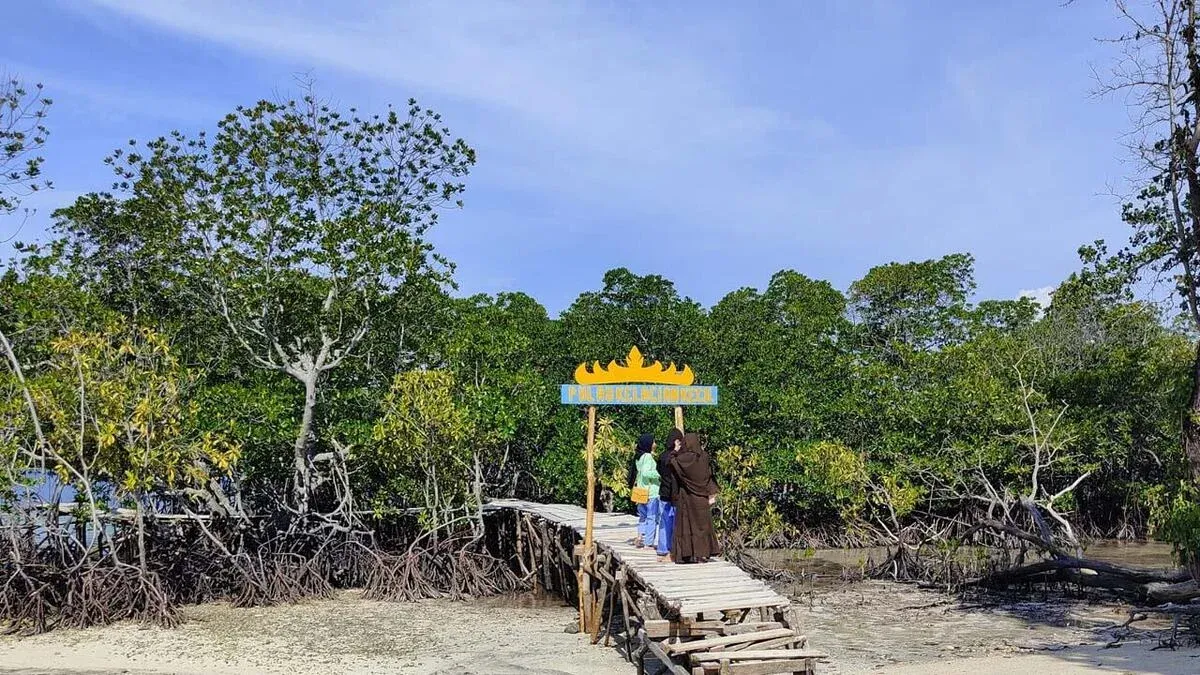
(645,444)
(666,479)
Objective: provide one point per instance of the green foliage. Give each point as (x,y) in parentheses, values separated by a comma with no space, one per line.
(258,412)
(614,449)
(114,408)
(294,217)
(420,450)
(1177,521)
(835,477)
(918,305)
(746,507)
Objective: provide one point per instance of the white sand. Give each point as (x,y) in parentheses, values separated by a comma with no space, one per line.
(503,637)
(345,635)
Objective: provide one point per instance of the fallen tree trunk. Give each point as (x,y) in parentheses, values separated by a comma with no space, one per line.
(1142,583)
(1181,592)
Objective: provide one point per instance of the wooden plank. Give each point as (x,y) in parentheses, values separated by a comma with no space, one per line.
(688,627)
(657,650)
(779,667)
(695,593)
(669,570)
(739,628)
(725,603)
(660,571)
(759,655)
(705,596)
(684,585)
(682,578)
(793,642)
(752,596)
(725,641)
(665,628)
(694,608)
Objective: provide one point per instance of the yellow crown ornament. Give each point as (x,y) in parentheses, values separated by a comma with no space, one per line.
(635,370)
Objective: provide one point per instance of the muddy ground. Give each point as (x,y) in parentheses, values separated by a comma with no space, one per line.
(874,626)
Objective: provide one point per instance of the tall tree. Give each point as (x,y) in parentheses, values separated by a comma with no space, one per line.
(915,305)
(1158,72)
(297,221)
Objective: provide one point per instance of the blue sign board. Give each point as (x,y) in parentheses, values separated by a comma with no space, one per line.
(637,394)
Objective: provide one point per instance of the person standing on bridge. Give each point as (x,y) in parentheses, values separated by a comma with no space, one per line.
(644,486)
(695,492)
(666,495)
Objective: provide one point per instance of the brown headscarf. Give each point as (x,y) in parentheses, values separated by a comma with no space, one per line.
(692,468)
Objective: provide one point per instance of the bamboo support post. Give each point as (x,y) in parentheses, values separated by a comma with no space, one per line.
(585,582)
(679,417)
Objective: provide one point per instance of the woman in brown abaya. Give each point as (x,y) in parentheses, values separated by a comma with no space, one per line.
(695,491)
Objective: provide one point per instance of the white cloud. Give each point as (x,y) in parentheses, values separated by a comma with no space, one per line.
(1042,296)
(573,97)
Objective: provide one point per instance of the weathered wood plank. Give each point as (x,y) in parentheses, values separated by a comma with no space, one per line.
(685,608)
(779,667)
(656,649)
(759,655)
(793,642)
(724,596)
(710,587)
(725,641)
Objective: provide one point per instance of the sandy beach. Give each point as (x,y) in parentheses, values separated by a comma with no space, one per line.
(344,635)
(867,628)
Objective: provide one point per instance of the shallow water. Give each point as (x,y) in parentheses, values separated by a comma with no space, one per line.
(1152,554)
(827,564)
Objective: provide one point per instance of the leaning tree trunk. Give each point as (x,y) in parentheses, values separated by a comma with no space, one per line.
(1186,143)
(1191,420)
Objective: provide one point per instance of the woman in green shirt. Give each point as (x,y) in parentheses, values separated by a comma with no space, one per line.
(646,476)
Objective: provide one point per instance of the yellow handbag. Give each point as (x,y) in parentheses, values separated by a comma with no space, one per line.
(639,495)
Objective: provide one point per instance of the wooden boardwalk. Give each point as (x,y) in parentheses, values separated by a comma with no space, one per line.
(713,616)
(691,590)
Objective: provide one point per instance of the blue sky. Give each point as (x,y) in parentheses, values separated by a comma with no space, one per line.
(709,143)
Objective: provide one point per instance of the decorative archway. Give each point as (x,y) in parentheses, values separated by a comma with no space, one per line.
(636,382)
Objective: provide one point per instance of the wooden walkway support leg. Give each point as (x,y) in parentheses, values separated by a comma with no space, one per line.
(585,579)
